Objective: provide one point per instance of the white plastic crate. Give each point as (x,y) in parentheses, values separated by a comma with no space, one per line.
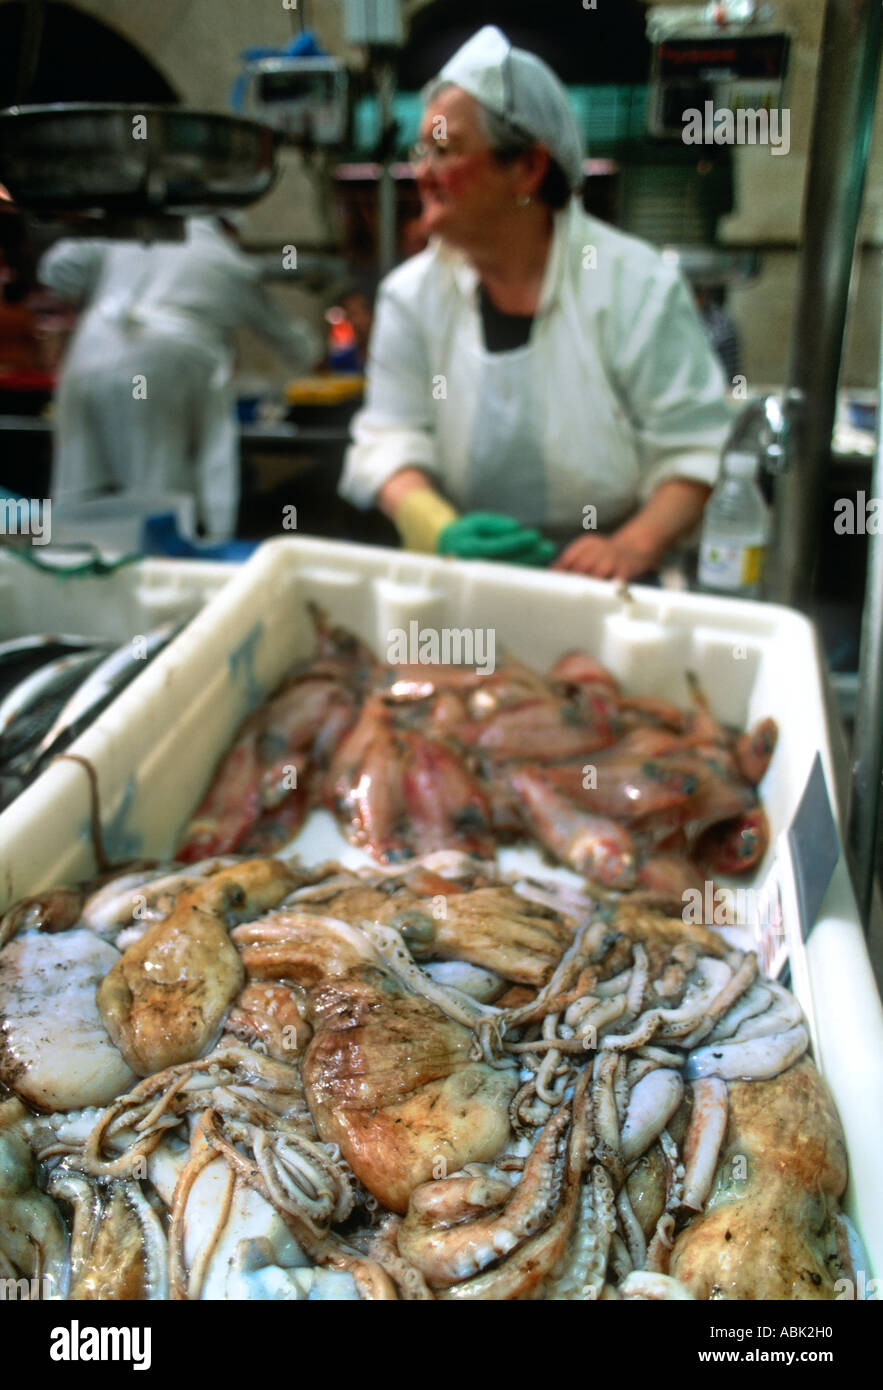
(115,524)
(125,602)
(155,749)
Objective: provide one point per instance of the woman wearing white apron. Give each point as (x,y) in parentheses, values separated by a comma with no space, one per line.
(534,373)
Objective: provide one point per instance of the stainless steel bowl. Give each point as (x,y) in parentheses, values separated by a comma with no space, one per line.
(132,160)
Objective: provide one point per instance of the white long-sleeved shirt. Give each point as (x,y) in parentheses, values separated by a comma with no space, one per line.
(204,278)
(616,391)
(144,402)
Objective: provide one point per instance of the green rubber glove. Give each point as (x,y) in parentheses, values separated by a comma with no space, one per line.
(489,536)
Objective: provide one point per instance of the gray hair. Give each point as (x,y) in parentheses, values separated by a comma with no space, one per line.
(507,142)
(504,138)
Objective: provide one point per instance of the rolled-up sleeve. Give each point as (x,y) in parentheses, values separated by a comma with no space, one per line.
(671,383)
(394,430)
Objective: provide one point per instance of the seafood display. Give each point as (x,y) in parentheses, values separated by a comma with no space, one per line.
(634,794)
(421,1081)
(239,1076)
(51,688)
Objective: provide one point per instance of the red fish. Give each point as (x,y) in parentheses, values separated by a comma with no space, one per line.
(624,786)
(717,796)
(544,730)
(506,807)
(755,749)
(374,717)
(446,807)
(735,846)
(646,741)
(420,682)
(667,877)
(702,726)
(299,728)
(637,710)
(447,715)
(339,653)
(376,800)
(594,846)
(230,806)
(364,785)
(578,668)
(275,828)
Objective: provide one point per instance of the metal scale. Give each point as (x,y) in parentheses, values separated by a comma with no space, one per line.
(120,170)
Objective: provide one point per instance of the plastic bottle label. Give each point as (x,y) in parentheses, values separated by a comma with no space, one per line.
(723,566)
(752,564)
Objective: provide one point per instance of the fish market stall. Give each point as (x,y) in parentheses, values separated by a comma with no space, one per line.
(168,782)
(465,921)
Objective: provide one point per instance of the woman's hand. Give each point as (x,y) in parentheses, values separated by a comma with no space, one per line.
(638,546)
(606,557)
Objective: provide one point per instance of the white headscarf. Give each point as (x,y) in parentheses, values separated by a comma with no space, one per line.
(521,88)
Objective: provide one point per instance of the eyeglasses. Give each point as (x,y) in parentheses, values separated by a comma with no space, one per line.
(437,153)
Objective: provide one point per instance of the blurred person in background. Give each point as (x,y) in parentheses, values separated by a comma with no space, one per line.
(144,403)
(534,373)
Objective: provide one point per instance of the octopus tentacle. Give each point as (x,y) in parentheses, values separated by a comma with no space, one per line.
(547,1091)
(674,1181)
(620,1261)
(159,1101)
(372,1282)
(518,1119)
(758,1059)
(744,977)
(589,940)
(648,1286)
(653,1101)
(631,1229)
(104,1216)
(527,1267)
(659,1249)
(639,978)
(621,1088)
(201,1155)
(383,1247)
(390,947)
(783,1013)
(708,1125)
(581,1273)
(598,1017)
(607,1149)
(453,1253)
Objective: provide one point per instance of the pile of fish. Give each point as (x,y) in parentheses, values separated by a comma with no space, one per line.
(52,686)
(634,794)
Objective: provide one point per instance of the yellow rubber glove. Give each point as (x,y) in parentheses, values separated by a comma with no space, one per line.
(421,517)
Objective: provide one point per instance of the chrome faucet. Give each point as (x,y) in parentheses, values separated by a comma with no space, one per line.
(763,427)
